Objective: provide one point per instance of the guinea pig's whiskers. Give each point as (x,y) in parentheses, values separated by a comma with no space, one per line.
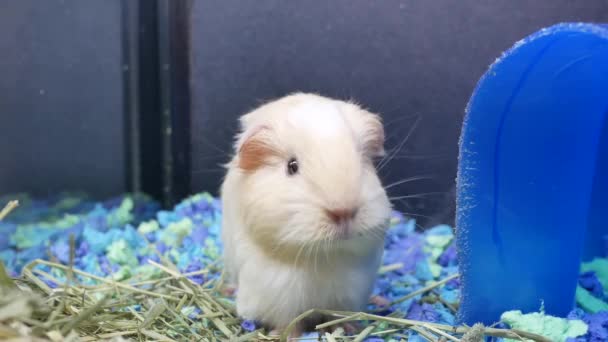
(310,254)
(398,129)
(379,232)
(416,215)
(398,120)
(384,189)
(279,244)
(422,156)
(300,250)
(407,180)
(418,195)
(202,139)
(376,233)
(397,148)
(327,246)
(317,255)
(329,249)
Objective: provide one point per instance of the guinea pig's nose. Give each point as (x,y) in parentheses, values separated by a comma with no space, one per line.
(341,214)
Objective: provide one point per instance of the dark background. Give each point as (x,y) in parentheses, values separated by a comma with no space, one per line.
(61,97)
(403,59)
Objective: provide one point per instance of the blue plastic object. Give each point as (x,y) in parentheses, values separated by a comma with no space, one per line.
(533,173)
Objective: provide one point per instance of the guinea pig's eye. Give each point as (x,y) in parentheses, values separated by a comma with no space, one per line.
(292,166)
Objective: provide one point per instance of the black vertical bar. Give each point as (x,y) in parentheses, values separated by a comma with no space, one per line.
(173,32)
(180,81)
(157,97)
(150,134)
(130,63)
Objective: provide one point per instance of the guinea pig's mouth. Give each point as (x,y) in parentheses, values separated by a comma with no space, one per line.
(342,230)
(341,222)
(346,225)
(350,231)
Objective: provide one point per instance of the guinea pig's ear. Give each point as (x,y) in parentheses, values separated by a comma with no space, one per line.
(373,135)
(255,147)
(368,128)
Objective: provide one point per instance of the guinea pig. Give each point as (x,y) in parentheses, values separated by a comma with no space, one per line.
(305,213)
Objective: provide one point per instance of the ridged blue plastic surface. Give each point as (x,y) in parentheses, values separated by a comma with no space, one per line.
(533,174)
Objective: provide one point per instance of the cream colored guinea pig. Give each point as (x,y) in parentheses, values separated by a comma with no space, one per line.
(305,213)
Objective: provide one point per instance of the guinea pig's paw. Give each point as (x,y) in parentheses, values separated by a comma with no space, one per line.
(380,301)
(351,328)
(228,290)
(274,333)
(295,333)
(348,328)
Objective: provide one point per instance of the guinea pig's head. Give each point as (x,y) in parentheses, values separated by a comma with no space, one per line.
(307,175)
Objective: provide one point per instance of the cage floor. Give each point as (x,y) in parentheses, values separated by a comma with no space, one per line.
(129,252)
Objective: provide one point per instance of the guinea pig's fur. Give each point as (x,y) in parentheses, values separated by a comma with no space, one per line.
(283,252)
